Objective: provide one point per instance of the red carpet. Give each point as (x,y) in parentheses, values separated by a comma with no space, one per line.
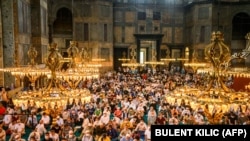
(240,83)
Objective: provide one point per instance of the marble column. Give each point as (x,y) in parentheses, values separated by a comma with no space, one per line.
(8,33)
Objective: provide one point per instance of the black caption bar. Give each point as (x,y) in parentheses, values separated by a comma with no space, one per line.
(198,132)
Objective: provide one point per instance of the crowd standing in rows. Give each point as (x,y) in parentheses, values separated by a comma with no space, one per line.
(123,107)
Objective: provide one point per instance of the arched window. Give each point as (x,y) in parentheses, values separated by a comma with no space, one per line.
(63,23)
(241,26)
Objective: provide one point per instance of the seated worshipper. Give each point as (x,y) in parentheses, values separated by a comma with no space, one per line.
(15,116)
(242,119)
(11,128)
(65,114)
(85,123)
(161,120)
(106,110)
(73,117)
(80,117)
(127,137)
(20,127)
(31,121)
(59,121)
(126,123)
(2,110)
(70,122)
(24,108)
(71,136)
(65,130)
(64,139)
(173,120)
(57,128)
(186,119)
(98,112)
(148,133)
(151,116)
(2,134)
(19,138)
(87,136)
(13,134)
(186,111)
(96,122)
(125,131)
(141,128)
(40,128)
(89,128)
(199,119)
(105,118)
(104,137)
(131,113)
(47,137)
(34,134)
(23,117)
(118,112)
(7,119)
(46,119)
(4,96)
(54,135)
(137,138)
(117,120)
(32,139)
(99,130)
(112,133)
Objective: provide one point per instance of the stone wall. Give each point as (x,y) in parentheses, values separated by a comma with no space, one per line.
(1,51)
(39,28)
(8,40)
(96,15)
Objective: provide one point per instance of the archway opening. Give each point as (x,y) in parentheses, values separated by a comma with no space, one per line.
(241,26)
(63,23)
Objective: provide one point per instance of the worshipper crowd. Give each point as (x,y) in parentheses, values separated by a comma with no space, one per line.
(123,106)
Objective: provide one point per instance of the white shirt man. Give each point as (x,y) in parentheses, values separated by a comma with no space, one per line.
(46,119)
(2,134)
(20,127)
(11,127)
(105,118)
(34,134)
(7,119)
(40,128)
(65,115)
(125,103)
(24,107)
(59,121)
(199,119)
(3,95)
(85,122)
(80,115)
(117,120)
(54,135)
(185,111)
(148,134)
(32,121)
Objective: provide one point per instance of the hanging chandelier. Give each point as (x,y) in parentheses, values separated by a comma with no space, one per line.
(153,63)
(32,71)
(62,86)
(215,93)
(124,59)
(194,63)
(132,64)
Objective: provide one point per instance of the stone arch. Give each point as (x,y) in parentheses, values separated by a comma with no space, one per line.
(239,43)
(55,8)
(63,23)
(165,51)
(240,25)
